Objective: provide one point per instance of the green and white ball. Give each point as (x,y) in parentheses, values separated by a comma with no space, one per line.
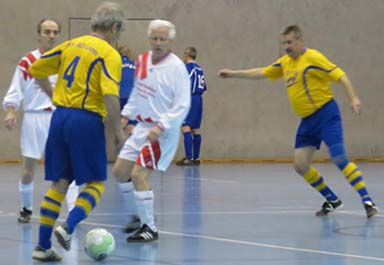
(99,243)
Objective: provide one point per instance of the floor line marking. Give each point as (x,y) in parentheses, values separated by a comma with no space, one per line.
(274,246)
(248,243)
(220,239)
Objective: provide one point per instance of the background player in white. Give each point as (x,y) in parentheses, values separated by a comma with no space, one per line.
(38,109)
(160,101)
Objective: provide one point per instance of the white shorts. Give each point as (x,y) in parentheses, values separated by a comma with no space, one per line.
(156,155)
(34,133)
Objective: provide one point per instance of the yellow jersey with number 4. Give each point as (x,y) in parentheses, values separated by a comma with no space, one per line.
(307,79)
(88,68)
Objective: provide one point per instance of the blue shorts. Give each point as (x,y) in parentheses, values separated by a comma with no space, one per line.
(123,101)
(195,113)
(323,125)
(76,147)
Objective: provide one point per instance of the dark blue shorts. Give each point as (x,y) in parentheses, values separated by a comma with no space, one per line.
(195,113)
(76,148)
(123,101)
(323,125)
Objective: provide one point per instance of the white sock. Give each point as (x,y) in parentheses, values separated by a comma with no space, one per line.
(127,189)
(26,194)
(144,203)
(71,196)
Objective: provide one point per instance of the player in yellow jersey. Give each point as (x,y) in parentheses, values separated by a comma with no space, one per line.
(87,88)
(307,74)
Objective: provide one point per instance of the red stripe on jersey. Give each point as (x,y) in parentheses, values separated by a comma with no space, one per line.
(24,65)
(138,117)
(26,75)
(31,57)
(148,119)
(137,63)
(143,71)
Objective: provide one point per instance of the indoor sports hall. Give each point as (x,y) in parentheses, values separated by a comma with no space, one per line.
(244,204)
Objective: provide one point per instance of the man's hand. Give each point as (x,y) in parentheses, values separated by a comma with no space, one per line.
(10,120)
(154,134)
(224,73)
(356,105)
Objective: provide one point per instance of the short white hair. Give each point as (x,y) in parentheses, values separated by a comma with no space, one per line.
(158,23)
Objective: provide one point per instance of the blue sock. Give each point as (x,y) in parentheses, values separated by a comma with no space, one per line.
(188,142)
(196,146)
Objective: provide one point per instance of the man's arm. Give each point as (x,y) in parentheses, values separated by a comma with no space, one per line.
(45,85)
(253,73)
(112,104)
(353,98)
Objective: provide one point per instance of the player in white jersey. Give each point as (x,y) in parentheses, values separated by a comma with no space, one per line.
(37,108)
(160,101)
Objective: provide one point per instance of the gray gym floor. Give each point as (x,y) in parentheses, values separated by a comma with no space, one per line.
(218,214)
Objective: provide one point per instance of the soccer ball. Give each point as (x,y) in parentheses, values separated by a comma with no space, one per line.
(99,243)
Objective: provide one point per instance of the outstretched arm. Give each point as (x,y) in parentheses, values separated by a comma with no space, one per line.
(253,73)
(353,98)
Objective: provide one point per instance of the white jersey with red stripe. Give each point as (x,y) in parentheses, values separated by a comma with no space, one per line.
(161,97)
(24,87)
(161,93)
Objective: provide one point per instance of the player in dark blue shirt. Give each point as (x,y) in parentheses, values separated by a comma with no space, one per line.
(191,125)
(127,82)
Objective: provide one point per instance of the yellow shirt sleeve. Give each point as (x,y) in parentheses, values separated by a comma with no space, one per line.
(333,72)
(273,71)
(47,64)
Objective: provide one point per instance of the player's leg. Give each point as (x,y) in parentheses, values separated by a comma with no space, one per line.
(26,189)
(155,155)
(32,147)
(333,137)
(56,169)
(122,171)
(303,157)
(188,146)
(196,146)
(308,139)
(196,125)
(49,212)
(186,129)
(144,197)
(87,200)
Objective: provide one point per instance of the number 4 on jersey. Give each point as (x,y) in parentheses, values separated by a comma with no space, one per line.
(69,73)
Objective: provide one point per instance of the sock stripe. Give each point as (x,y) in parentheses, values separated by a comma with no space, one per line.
(48,199)
(49,213)
(99,192)
(318,182)
(356,180)
(88,198)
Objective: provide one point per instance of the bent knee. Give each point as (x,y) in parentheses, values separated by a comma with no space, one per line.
(301,168)
(27,177)
(120,174)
